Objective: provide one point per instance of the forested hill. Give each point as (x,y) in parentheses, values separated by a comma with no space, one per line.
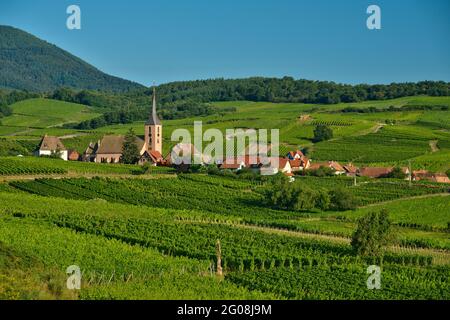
(288,89)
(29,63)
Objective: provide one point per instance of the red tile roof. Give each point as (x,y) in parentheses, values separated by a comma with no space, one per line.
(297,163)
(335,165)
(329,164)
(441,177)
(374,172)
(156,155)
(351,169)
(230,165)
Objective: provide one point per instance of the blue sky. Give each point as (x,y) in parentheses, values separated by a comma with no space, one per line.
(168,40)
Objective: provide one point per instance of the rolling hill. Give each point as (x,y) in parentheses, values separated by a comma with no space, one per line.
(29,63)
(44,113)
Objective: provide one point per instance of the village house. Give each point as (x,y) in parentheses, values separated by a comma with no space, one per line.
(49,146)
(335,166)
(109,149)
(153,157)
(239,163)
(418,175)
(373,172)
(234,165)
(379,172)
(350,170)
(440,177)
(298,161)
(183,154)
(257,165)
(90,152)
(271,168)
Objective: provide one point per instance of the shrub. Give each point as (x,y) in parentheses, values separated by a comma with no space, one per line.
(322,132)
(396,173)
(321,172)
(323,200)
(342,199)
(373,232)
(294,196)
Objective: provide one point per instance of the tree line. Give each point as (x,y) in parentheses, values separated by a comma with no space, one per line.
(394,109)
(184,99)
(288,89)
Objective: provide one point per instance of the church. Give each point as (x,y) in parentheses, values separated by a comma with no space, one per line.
(109,148)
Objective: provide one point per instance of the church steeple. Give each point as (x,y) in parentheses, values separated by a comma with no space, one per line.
(153,117)
(153,129)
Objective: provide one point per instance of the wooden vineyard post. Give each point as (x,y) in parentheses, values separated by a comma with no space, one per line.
(410,173)
(219,258)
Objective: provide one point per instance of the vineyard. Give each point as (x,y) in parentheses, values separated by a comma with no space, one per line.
(151,241)
(347,283)
(152,234)
(370,148)
(42,166)
(232,197)
(10,167)
(108,263)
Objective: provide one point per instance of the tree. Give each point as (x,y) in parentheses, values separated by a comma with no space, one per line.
(293,196)
(323,200)
(322,132)
(321,172)
(130,151)
(372,234)
(396,173)
(342,199)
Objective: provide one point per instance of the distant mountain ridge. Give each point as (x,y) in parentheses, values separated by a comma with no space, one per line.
(29,63)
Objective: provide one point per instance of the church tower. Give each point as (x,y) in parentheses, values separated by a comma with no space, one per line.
(153,129)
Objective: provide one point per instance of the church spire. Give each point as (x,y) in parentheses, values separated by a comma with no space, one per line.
(153,118)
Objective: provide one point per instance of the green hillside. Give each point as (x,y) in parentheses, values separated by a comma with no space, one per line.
(44,113)
(369,138)
(29,63)
(366,138)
